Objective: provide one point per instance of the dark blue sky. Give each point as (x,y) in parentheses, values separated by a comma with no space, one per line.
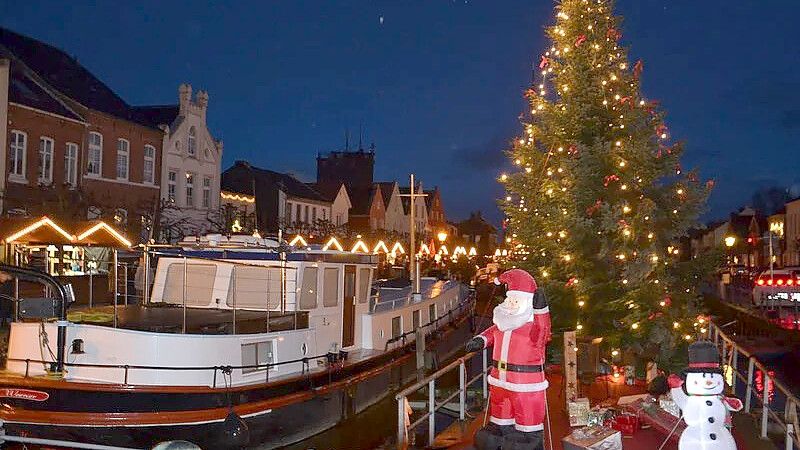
(438,84)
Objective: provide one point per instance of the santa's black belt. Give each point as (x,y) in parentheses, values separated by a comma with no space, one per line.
(517,367)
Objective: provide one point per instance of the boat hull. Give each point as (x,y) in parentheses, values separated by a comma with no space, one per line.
(276,414)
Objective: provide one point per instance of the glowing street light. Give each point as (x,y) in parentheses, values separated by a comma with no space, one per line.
(730,241)
(442,236)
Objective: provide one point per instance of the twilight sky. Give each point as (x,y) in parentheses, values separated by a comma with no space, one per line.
(437,84)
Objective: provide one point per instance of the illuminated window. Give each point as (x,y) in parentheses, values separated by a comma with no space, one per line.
(148,172)
(94,160)
(206,192)
(71,164)
(123,159)
(16,151)
(189,189)
(45,160)
(191,146)
(172,182)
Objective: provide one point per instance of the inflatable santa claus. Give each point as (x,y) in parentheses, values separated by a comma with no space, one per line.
(518,339)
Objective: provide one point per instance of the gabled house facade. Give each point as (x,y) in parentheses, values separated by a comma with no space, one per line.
(477,232)
(436,218)
(423,228)
(281,200)
(72,146)
(395,218)
(191,163)
(336,193)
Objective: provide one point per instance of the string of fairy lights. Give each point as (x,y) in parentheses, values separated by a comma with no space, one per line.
(585,37)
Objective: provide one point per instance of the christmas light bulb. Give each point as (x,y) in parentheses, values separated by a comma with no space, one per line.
(654,258)
(675,325)
(663,135)
(688,337)
(622,163)
(528,169)
(626,232)
(663,303)
(578,327)
(567,257)
(625,281)
(680,191)
(614,352)
(626,209)
(581,303)
(635,325)
(503,177)
(508,198)
(624,187)
(545,273)
(521,141)
(560,170)
(618,143)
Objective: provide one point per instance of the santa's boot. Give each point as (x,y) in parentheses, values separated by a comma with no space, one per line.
(518,440)
(490,437)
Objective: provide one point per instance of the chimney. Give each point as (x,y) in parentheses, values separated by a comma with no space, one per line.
(202,102)
(185,96)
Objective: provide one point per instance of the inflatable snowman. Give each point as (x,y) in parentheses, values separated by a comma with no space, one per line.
(705,409)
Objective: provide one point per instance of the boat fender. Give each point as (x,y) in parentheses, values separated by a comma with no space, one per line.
(235,431)
(176,445)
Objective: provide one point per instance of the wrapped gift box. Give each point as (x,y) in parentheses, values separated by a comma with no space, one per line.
(626,423)
(666,403)
(578,411)
(593,438)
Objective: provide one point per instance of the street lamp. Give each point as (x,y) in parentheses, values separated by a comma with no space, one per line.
(730,241)
(442,236)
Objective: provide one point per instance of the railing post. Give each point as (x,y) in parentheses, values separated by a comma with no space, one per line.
(116,285)
(484,372)
(125,280)
(734,369)
(185,270)
(462,395)
(765,405)
(401,423)
(431,411)
(750,367)
(789,436)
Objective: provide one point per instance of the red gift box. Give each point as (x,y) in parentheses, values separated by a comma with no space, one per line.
(625,423)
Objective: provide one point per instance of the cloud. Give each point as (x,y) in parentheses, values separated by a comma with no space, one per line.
(486,157)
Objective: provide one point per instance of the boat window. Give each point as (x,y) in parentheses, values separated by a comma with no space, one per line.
(397,329)
(256,353)
(431,312)
(199,284)
(349,284)
(330,292)
(255,287)
(308,290)
(363,285)
(415,320)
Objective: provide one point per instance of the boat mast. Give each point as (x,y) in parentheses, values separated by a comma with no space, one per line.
(412,266)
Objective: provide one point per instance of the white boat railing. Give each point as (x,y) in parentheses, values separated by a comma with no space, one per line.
(404,428)
(786,420)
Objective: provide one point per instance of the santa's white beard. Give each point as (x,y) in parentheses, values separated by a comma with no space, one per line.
(506,320)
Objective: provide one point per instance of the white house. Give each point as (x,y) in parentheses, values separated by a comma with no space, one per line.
(336,193)
(191,160)
(395,219)
(420,210)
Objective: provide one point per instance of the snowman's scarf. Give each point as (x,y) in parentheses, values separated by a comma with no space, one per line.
(506,321)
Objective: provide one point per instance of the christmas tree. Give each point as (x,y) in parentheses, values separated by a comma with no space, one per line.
(600,201)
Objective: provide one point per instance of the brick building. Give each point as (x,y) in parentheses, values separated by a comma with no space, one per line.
(73,147)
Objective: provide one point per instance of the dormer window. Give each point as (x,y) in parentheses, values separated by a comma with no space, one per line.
(191,145)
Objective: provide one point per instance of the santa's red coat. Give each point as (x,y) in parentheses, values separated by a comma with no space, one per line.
(525,346)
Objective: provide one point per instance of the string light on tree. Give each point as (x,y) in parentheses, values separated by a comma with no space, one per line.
(618,170)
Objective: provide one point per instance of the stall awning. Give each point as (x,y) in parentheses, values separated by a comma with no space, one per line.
(47,231)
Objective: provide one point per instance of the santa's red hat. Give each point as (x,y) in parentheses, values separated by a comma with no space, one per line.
(518,281)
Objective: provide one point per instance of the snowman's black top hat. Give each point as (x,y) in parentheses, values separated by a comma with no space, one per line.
(704,357)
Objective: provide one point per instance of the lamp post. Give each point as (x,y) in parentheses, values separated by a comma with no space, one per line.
(730,241)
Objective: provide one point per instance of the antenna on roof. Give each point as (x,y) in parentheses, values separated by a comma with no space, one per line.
(346,139)
(360,134)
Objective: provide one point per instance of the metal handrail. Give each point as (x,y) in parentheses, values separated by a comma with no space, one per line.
(226,368)
(469,301)
(789,423)
(433,406)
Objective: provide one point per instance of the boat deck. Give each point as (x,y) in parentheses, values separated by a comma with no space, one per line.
(460,437)
(169,319)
